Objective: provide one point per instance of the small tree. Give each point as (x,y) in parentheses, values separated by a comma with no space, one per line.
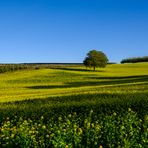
(95,59)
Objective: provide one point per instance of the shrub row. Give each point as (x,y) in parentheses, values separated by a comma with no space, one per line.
(135,60)
(14,67)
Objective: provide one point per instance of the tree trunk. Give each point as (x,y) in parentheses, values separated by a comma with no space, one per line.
(94,68)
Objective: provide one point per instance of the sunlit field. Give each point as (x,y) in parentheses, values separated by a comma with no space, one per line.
(43,83)
(113,95)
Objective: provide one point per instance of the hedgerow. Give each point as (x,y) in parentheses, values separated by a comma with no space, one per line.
(135,60)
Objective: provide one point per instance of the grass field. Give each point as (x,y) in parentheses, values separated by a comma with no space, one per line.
(43,83)
(58,92)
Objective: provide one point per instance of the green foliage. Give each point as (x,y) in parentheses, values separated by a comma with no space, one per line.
(95,59)
(70,131)
(135,60)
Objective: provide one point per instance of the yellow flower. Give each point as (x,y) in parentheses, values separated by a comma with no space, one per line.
(88,125)
(75,113)
(42,117)
(68,121)
(114,114)
(129,109)
(146,117)
(92,125)
(91,111)
(69,116)
(7,138)
(12,135)
(60,118)
(43,127)
(80,131)
(75,126)
(8,122)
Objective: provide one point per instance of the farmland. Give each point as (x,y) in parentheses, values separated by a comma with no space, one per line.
(113,94)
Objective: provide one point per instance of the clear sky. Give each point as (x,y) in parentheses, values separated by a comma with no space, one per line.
(65,30)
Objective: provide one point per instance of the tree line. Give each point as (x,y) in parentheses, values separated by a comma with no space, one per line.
(14,67)
(93,60)
(135,60)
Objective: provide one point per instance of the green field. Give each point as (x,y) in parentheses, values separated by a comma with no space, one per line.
(64,90)
(43,83)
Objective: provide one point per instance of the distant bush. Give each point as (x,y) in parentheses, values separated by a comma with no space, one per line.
(14,67)
(135,60)
(11,67)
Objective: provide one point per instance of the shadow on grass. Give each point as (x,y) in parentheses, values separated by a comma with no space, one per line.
(81,97)
(77,69)
(105,81)
(125,77)
(101,103)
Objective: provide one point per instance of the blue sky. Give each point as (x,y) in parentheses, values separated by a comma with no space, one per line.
(65,30)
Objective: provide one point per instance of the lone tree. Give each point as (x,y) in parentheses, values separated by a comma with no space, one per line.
(95,59)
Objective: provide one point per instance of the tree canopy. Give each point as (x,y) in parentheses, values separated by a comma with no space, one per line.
(95,59)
